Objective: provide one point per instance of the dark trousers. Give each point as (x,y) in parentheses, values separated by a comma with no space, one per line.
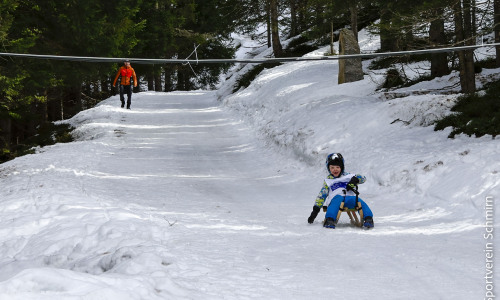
(126,89)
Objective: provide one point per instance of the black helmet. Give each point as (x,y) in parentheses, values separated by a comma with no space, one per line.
(335,159)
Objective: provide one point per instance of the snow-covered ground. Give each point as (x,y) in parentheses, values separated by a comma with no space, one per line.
(205,195)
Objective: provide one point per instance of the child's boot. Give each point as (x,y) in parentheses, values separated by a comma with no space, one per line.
(368,222)
(329,223)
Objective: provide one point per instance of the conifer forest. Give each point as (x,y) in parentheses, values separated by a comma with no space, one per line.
(36,92)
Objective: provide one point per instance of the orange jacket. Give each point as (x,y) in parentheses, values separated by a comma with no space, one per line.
(126,73)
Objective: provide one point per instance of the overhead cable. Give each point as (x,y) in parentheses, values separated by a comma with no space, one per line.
(241,60)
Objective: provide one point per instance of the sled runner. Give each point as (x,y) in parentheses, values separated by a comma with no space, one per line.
(351,212)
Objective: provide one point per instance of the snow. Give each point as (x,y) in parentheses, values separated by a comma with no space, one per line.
(205,195)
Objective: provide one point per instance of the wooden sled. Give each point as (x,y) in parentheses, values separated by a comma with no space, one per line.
(351,212)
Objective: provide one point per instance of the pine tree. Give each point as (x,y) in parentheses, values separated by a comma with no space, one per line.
(15,105)
(437,38)
(275,37)
(36,91)
(496,21)
(463,31)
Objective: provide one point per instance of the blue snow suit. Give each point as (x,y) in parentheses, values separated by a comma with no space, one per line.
(332,194)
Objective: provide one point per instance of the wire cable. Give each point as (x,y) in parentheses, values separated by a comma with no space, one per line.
(238,60)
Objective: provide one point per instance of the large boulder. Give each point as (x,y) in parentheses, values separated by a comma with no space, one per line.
(349,69)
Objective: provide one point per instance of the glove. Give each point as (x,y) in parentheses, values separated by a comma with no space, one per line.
(354,180)
(351,186)
(313,215)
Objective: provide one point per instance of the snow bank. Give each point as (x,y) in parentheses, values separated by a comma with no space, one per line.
(187,197)
(300,108)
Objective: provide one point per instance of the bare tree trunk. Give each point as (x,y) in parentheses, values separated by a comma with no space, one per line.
(168,79)
(469,26)
(45,107)
(181,81)
(277,48)
(71,101)
(293,18)
(5,132)
(88,88)
(353,8)
(463,32)
(150,77)
(55,105)
(78,99)
(301,5)
(157,72)
(384,32)
(268,23)
(104,86)
(470,40)
(184,79)
(332,38)
(388,39)
(62,111)
(496,5)
(439,61)
(474,19)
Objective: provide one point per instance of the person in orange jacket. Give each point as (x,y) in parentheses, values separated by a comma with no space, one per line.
(126,71)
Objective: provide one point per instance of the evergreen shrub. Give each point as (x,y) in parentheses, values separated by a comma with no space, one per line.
(47,134)
(392,79)
(476,114)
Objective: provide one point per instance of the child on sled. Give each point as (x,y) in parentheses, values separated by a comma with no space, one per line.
(337,185)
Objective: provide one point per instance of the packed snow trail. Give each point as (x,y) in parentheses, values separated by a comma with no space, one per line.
(177,198)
